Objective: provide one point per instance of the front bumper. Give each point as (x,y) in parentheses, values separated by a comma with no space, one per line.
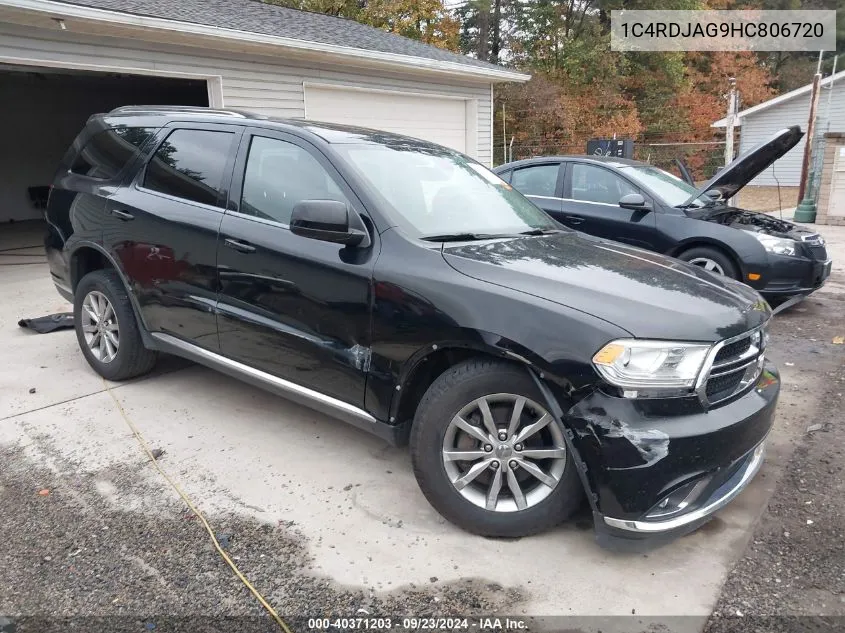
(787,276)
(637,454)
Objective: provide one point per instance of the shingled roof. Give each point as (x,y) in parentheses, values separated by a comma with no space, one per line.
(254,16)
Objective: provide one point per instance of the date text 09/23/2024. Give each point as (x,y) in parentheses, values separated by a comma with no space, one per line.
(417,624)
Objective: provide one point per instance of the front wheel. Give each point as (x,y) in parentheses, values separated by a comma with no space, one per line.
(489,456)
(710,259)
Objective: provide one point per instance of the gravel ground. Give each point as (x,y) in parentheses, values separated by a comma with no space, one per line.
(72,550)
(792,575)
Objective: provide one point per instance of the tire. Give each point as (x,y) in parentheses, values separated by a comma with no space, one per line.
(434,432)
(710,259)
(130,357)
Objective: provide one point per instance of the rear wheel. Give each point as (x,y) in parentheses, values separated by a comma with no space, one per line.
(106,329)
(489,456)
(710,259)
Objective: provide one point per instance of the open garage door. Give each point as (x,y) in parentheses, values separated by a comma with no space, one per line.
(46,108)
(436,119)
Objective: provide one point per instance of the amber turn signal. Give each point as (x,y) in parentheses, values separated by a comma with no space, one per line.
(754,276)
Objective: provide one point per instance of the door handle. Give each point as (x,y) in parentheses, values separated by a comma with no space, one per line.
(241,247)
(574,219)
(122,215)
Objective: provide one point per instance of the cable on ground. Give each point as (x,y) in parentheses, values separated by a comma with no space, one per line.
(137,433)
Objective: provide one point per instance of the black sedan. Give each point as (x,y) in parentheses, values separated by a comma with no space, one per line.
(642,205)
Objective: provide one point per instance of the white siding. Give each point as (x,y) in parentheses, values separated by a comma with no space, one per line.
(760,126)
(265,85)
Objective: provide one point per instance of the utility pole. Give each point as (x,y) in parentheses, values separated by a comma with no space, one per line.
(729,125)
(504,137)
(806,210)
(730,122)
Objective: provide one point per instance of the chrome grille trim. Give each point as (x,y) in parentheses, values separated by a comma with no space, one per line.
(748,365)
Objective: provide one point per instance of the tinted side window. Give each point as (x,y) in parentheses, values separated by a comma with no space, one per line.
(189,164)
(597,184)
(278,175)
(539,180)
(109,151)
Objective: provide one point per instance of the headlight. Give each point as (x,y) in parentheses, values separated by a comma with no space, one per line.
(772,244)
(665,366)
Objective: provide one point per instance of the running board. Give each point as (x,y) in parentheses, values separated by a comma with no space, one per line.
(302,395)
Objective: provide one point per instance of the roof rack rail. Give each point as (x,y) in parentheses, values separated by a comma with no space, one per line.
(182,109)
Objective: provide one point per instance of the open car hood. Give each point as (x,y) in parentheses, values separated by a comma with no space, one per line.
(746,167)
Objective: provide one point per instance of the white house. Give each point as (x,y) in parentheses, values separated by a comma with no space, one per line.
(792,108)
(62,61)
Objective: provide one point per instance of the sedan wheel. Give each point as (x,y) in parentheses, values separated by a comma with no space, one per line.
(100,327)
(503,453)
(707,264)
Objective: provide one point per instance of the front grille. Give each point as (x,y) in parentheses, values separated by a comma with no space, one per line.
(818,253)
(814,246)
(735,366)
(719,385)
(732,350)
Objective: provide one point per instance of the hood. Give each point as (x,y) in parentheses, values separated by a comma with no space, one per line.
(745,168)
(649,295)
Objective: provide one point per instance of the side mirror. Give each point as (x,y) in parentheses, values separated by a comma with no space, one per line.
(714,193)
(327,221)
(633,201)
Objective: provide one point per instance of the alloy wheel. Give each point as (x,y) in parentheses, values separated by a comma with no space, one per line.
(707,264)
(100,327)
(504,452)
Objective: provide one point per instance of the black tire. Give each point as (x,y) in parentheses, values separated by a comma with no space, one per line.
(713,254)
(132,358)
(450,392)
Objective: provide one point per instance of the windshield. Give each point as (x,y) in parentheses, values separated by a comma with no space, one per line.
(670,188)
(433,192)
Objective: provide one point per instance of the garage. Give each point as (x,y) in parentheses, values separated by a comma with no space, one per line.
(62,61)
(436,119)
(49,106)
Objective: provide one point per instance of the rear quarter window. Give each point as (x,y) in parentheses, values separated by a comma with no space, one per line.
(106,153)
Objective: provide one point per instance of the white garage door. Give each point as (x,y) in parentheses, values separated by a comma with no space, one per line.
(434,119)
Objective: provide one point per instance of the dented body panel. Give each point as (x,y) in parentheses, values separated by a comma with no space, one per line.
(638,451)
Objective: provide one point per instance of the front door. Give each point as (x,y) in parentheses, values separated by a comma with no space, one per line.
(293,307)
(591,204)
(163,229)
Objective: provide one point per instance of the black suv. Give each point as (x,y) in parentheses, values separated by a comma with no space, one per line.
(406,289)
(642,205)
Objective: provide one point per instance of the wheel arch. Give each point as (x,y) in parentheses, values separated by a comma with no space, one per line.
(87,257)
(428,363)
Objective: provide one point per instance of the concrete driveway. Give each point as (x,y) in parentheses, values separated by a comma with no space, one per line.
(348,502)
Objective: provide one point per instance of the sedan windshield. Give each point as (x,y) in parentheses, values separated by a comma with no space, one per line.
(674,191)
(438,194)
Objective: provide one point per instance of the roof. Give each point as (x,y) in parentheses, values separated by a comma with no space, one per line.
(335,133)
(273,24)
(612,161)
(787,96)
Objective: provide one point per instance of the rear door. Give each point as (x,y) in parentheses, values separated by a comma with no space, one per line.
(290,306)
(542,183)
(591,204)
(165,226)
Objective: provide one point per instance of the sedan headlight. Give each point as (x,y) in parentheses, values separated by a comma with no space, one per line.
(652,366)
(776,245)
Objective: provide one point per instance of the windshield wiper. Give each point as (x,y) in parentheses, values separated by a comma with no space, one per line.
(463,237)
(541,232)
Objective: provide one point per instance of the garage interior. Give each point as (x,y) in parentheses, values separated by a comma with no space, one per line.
(45,108)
